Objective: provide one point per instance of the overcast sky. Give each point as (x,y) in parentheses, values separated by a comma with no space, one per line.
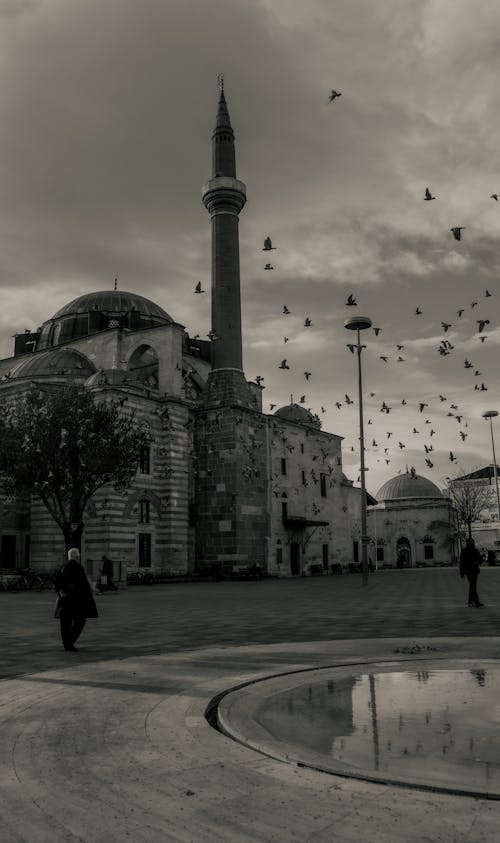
(106,111)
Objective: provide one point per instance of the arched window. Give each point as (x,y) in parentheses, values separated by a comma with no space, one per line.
(144,366)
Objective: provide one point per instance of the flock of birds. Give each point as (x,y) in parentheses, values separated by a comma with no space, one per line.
(385,444)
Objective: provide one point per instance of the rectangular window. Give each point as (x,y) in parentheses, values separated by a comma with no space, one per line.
(322,485)
(144,512)
(428,551)
(283,465)
(279,555)
(355,552)
(380,554)
(284,510)
(325,557)
(144,550)
(301,447)
(145,460)
(304,481)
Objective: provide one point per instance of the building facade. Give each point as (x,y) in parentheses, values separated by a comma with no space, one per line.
(222,483)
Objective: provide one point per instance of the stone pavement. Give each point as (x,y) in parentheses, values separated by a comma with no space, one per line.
(111,743)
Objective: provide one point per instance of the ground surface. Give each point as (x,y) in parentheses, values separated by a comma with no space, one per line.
(110,743)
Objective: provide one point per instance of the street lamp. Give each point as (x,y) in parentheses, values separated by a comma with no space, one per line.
(360,323)
(491,414)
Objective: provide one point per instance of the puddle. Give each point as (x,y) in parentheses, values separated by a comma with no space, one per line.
(435,728)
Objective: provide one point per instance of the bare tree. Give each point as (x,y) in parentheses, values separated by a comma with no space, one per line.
(468,498)
(62,445)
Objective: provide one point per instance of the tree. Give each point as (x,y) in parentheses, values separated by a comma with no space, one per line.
(468,498)
(60,444)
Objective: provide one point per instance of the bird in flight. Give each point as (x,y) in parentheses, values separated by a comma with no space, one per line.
(428,449)
(269,266)
(338,405)
(302,399)
(442,398)
(272,406)
(401,359)
(467,364)
(483,338)
(404,402)
(348,400)
(198,289)
(473,304)
(383,358)
(351,301)
(452,457)
(494,196)
(334,95)
(457,231)
(284,364)
(259,379)
(428,195)
(482,323)
(307,322)
(268,245)
(285,310)
(351,347)
(445,326)
(463,435)
(429,463)
(285,339)
(460,312)
(421,406)
(418,312)
(377,331)
(400,347)
(307,375)
(487,294)
(401,445)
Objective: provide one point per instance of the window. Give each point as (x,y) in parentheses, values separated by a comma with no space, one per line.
(279,553)
(304,481)
(428,551)
(145,460)
(144,512)
(301,447)
(144,550)
(283,465)
(284,506)
(322,485)
(380,554)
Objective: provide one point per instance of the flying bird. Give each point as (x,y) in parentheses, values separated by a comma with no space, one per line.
(445,326)
(404,402)
(442,398)
(269,266)
(377,331)
(473,305)
(418,312)
(284,365)
(259,379)
(285,339)
(198,289)
(307,322)
(383,358)
(460,312)
(334,95)
(483,338)
(494,196)
(429,463)
(351,347)
(401,445)
(268,245)
(421,406)
(302,399)
(351,301)
(467,364)
(285,310)
(401,359)
(428,195)
(452,457)
(457,231)
(307,375)
(338,405)
(482,323)
(463,435)
(487,294)
(348,400)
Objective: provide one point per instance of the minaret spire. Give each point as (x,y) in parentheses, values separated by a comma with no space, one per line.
(224,196)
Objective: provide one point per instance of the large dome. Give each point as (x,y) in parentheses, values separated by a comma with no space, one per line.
(95,312)
(408,485)
(299,415)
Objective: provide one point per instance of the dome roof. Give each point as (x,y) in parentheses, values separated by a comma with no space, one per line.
(94,312)
(408,485)
(112,301)
(299,415)
(57,362)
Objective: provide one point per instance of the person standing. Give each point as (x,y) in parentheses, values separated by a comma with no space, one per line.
(75,601)
(470,561)
(108,573)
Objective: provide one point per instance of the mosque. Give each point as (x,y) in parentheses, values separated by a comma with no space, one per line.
(222,483)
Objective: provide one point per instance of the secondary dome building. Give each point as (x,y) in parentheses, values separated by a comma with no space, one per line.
(411,525)
(222,484)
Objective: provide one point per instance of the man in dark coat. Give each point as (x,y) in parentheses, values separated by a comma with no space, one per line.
(470,560)
(106,579)
(75,601)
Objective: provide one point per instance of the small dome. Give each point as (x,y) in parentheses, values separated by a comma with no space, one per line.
(56,362)
(408,485)
(299,415)
(94,312)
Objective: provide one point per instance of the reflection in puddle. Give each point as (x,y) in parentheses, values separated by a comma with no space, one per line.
(438,727)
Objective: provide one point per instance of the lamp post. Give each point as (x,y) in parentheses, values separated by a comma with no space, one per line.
(360,323)
(491,414)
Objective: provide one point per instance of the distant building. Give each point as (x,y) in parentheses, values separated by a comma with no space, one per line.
(412,523)
(223,485)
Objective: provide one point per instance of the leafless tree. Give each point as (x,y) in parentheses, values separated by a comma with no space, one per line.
(468,498)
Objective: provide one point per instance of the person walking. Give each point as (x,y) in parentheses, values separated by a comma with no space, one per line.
(107,574)
(75,602)
(470,561)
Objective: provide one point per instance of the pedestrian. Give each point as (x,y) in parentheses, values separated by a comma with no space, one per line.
(75,602)
(107,574)
(470,561)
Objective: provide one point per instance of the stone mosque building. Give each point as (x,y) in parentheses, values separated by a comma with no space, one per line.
(222,483)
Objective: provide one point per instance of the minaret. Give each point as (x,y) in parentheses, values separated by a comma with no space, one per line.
(224,196)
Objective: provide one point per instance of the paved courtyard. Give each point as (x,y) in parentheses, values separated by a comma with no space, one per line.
(111,743)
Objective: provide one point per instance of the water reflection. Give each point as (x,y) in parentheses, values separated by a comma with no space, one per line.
(435,727)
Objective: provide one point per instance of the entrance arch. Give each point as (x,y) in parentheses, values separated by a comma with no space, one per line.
(403,553)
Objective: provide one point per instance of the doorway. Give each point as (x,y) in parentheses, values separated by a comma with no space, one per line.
(295,559)
(403,553)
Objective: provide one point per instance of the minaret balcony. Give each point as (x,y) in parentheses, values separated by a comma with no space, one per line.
(223,194)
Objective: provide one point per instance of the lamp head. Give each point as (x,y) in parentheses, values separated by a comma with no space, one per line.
(490,414)
(358,323)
